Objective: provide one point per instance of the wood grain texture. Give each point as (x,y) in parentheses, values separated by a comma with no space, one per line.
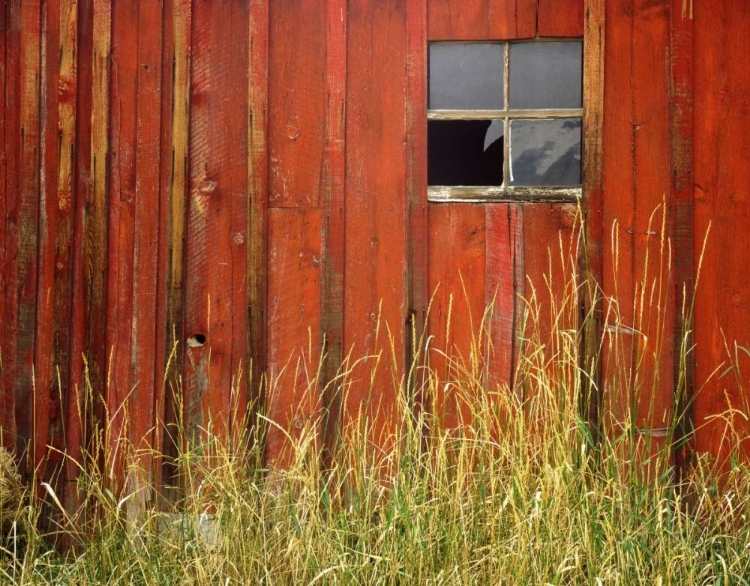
(297,102)
(560,18)
(721,175)
(376,221)
(681,137)
(258,191)
(335,193)
(474,20)
(295,342)
(639,389)
(121,228)
(457,274)
(216,278)
(504,237)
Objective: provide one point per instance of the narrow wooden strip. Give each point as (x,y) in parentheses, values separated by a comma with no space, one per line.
(297,103)
(502,233)
(508,113)
(258,189)
(79,404)
(457,273)
(681,55)
(24,275)
(376,221)
(334,187)
(146,250)
(593,194)
(47,391)
(439,194)
(560,18)
(294,331)
(121,230)
(416,185)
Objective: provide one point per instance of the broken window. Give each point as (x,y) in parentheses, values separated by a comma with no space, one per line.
(505,120)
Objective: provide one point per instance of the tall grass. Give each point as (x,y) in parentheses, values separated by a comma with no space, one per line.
(522,490)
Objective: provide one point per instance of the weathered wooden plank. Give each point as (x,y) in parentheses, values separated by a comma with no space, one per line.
(593,191)
(467,20)
(78,413)
(722,202)
(376,221)
(334,190)
(295,342)
(638,366)
(146,249)
(258,189)
(25,272)
(297,102)
(6,402)
(121,227)
(681,137)
(216,318)
(457,273)
(416,183)
(504,235)
(560,18)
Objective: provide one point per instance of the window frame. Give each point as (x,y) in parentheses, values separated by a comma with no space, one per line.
(506,192)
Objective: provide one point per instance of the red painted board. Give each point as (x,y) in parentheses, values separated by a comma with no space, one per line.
(216,277)
(722,207)
(334,190)
(457,267)
(560,18)
(297,102)
(295,267)
(6,405)
(376,220)
(121,228)
(466,20)
(637,366)
(504,235)
(24,274)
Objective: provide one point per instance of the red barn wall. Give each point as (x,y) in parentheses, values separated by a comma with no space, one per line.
(247,179)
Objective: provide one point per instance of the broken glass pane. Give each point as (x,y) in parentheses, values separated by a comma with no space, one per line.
(545,152)
(546,74)
(466,76)
(465,152)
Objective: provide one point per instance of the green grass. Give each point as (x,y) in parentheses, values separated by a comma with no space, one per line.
(524,491)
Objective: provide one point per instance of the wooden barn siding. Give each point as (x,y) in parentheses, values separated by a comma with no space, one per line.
(247,179)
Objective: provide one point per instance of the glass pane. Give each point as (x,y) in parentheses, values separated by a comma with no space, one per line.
(465,152)
(545,152)
(546,74)
(466,76)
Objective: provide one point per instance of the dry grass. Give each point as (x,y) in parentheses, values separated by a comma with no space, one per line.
(524,491)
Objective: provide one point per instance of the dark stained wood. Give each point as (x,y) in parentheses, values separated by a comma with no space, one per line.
(258,193)
(560,18)
(467,20)
(457,272)
(681,137)
(294,330)
(335,192)
(376,220)
(297,102)
(722,208)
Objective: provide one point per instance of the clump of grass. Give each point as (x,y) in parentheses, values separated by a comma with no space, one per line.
(522,488)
